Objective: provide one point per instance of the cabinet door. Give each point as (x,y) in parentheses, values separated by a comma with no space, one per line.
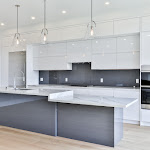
(40,51)
(128,43)
(79,51)
(132,113)
(128,60)
(104,61)
(127,26)
(104,29)
(106,45)
(50,63)
(57,49)
(146,48)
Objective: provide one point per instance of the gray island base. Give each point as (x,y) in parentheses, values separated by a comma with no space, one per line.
(96,124)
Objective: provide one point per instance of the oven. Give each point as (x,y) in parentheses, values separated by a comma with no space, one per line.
(145,97)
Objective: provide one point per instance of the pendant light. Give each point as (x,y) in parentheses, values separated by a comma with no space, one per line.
(91,26)
(44,31)
(17,34)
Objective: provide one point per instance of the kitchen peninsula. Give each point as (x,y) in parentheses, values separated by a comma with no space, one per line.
(55,112)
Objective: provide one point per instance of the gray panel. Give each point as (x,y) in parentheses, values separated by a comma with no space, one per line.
(12,99)
(86,123)
(37,116)
(83,75)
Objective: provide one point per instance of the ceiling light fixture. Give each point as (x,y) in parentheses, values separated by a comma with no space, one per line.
(17,34)
(2,24)
(33,18)
(107,3)
(92,24)
(44,31)
(64,12)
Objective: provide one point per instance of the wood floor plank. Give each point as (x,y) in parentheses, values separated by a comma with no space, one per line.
(135,138)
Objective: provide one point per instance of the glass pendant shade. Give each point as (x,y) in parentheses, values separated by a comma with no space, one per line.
(17,39)
(44,35)
(91,30)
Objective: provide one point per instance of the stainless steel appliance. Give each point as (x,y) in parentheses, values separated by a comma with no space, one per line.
(145,97)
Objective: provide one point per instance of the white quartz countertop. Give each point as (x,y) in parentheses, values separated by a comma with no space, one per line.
(67,96)
(96,101)
(80,87)
(38,92)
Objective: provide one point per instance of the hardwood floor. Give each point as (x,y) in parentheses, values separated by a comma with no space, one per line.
(135,138)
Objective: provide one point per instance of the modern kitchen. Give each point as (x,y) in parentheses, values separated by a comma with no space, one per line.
(74,77)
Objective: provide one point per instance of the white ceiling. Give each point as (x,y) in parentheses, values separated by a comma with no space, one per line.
(75,9)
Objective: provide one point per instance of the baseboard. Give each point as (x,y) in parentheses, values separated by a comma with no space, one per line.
(145,123)
(131,122)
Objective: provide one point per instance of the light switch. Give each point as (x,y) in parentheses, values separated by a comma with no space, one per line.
(41,79)
(66,79)
(137,81)
(101,80)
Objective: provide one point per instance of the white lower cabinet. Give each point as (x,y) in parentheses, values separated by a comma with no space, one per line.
(129,60)
(104,61)
(145,117)
(132,113)
(51,63)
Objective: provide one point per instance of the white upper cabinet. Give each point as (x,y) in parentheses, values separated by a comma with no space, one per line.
(107,45)
(57,49)
(128,60)
(79,51)
(127,26)
(146,23)
(128,43)
(40,51)
(104,29)
(51,63)
(104,61)
(145,54)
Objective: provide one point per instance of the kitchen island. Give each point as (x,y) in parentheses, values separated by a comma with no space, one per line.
(96,119)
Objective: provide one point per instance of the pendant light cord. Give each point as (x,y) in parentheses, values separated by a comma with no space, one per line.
(17,18)
(44,13)
(91,12)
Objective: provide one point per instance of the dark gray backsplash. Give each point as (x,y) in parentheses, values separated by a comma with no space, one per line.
(82,75)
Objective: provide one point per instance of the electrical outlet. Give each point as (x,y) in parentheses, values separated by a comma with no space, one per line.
(137,81)
(41,79)
(101,80)
(66,79)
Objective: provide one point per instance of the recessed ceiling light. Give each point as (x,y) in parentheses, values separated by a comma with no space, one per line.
(107,3)
(2,24)
(33,18)
(64,12)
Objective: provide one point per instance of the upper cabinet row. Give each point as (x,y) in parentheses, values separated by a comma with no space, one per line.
(105,53)
(115,27)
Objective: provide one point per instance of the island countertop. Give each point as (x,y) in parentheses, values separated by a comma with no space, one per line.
(67,96)
(96,101)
